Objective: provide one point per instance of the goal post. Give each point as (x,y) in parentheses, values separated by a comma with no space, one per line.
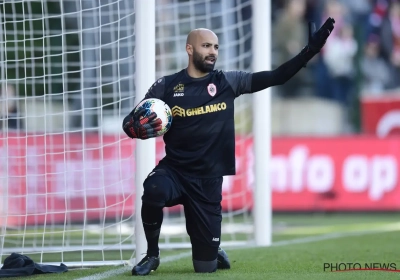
(145,76)
(262,119)
(70,179)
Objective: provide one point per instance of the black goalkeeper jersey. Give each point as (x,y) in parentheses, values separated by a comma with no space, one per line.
(201,140)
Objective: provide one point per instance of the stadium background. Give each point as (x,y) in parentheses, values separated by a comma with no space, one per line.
(334,125)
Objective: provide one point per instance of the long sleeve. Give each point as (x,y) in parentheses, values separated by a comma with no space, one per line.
(265,79)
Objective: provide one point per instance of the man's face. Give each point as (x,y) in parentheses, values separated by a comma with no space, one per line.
(204,62)
(205,52)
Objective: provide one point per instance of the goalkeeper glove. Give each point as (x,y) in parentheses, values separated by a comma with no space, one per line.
(317,39)
(136,126)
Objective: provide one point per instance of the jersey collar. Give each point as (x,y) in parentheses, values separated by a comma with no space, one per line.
(196,79)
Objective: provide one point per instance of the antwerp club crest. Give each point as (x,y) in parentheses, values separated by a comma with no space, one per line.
(212,89)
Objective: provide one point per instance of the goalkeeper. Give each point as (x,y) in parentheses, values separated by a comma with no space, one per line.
(200,145)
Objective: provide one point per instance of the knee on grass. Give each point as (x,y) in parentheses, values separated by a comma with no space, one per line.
(205,266)
(205,257)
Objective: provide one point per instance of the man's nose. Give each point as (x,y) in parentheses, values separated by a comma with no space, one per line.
(213,52)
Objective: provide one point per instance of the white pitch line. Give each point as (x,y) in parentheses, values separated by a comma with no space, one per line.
(121,270)
(111,273)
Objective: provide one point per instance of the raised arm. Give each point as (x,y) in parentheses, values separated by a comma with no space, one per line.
(316,40)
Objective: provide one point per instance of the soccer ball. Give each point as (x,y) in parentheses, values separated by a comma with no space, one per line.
(161,109)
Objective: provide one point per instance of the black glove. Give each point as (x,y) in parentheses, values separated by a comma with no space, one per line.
(136,126)
(316,40)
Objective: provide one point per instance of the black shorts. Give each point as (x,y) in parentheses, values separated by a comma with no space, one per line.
(200,197)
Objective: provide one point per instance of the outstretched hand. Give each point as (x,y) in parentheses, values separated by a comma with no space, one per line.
(317,39)
(137,126)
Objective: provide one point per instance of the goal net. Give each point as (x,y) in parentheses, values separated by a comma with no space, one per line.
(67,78)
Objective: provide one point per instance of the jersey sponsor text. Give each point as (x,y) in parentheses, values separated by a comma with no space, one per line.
(178,111)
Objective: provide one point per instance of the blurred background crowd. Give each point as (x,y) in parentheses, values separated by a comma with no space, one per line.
(46,58)
(361,57)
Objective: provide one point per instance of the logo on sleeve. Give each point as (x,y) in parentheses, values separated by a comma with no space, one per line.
(212,89)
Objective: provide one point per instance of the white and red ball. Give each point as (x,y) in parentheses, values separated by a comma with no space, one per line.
(161,109)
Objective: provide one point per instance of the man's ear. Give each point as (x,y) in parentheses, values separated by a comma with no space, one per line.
(189,49)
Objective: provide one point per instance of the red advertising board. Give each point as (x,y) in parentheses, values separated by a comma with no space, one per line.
(323,174)
(48,179)
(70,177)
(381,115)
(336,174)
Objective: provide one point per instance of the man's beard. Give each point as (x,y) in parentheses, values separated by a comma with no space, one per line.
(201,64)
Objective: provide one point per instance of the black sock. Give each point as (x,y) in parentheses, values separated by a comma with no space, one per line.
(152,217)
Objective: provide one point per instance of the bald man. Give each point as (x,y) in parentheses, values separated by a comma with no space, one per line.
(200,145)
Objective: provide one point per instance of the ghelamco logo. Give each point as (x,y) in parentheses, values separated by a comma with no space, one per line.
(361,266)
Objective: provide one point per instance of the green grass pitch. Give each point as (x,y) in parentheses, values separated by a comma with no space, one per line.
(299,251)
